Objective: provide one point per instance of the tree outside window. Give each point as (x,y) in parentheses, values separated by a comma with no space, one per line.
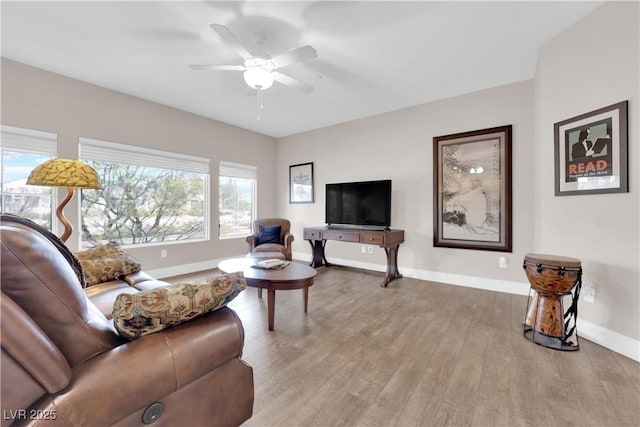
(141,204)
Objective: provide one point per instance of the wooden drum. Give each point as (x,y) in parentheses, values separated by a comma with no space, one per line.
(551,277)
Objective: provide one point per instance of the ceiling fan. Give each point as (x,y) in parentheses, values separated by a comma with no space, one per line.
(260,69)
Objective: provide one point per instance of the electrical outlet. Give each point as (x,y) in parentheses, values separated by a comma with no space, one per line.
(589,294)
(363,249)
(163,253)
(370,249)
(502,262)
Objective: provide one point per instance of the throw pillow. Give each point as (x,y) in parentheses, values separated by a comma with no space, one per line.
(137,315)
(106,262)
(269,234)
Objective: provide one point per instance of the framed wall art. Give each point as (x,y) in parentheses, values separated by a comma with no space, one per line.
(301,183)
(591,152)
(472,190)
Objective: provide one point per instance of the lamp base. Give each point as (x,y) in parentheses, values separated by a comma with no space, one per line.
(68,229)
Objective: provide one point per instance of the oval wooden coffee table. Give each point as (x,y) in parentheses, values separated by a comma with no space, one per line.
(293,276)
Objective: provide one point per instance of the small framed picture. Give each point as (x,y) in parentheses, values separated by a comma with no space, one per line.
(301,183)
(591,152)
(472,190)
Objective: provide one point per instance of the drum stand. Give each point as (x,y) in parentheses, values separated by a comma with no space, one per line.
(568,339)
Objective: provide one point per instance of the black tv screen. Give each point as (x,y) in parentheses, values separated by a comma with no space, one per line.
(363,204)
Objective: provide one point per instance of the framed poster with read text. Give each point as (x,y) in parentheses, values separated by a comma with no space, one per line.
(591,152)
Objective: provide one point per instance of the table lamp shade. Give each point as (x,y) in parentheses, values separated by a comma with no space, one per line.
(64,173)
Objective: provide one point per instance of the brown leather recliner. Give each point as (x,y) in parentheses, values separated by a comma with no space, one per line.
(63,363)
(284,242)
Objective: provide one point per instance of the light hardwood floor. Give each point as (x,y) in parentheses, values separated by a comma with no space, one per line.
(421,353)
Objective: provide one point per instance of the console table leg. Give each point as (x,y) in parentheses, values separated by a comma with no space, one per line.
(324,258)
(392,265)
(318,259)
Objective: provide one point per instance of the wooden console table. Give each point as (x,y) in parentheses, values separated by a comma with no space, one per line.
(389,240)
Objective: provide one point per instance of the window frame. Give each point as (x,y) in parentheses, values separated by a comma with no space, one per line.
(90,149)
(238,171)
(31,141)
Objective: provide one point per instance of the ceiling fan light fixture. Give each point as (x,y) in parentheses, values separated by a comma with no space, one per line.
(258,78)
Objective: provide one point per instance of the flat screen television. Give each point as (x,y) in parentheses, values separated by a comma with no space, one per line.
(365,204)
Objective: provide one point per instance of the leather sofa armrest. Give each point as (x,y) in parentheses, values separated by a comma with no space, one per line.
(132,376)
(142,281)
(23,339)
(138,277)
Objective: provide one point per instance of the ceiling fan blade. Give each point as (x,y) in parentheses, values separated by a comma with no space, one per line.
(230,39)
(290,81)
(217,67)
(300,54)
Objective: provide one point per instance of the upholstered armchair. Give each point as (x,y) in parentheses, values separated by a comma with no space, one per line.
(271,235)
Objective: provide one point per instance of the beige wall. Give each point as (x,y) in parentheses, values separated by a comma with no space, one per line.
(36,99)
(593,64)
(398,146)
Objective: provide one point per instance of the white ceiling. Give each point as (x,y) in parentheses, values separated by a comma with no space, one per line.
(373,57)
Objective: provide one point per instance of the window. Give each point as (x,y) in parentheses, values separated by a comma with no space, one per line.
(21,151)
(237,202)
(147,196)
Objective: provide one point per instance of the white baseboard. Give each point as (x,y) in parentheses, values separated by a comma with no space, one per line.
(178,270)
(517,288)
(496,285)
(612,340)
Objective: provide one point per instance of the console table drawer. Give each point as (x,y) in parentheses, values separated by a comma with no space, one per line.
(339,235)
(312,235)
(372,238)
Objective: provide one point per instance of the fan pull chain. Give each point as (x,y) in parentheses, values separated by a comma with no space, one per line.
(261,106)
